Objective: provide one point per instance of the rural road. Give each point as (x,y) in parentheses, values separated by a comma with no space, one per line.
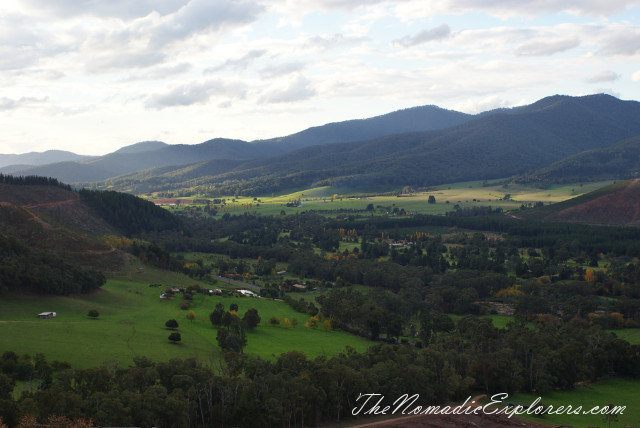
(239,283)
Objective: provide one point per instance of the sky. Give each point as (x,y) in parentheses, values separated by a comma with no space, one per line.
(91,76)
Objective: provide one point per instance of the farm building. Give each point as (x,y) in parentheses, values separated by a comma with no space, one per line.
(45,315)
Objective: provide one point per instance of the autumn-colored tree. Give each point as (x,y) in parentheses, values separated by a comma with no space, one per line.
(191,315)
(326,325)
(313,322)
(27,421)
(286,322)
(590,276)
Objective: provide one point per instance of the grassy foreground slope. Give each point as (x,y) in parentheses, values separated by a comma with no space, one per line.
(619,392)
(131,323)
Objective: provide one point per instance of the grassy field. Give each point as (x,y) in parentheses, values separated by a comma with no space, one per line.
(499,321)
(619,392)
(132,321)
(631,335)
(333,201)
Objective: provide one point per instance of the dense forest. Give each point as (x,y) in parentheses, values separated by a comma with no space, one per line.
(129,213)
(25,269)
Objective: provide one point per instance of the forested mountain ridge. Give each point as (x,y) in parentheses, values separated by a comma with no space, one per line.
(620,161)
(416,119)
(153,154)
(136,159)
(501,144)
(38,158)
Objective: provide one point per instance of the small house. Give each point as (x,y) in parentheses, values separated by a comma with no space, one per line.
(45,315)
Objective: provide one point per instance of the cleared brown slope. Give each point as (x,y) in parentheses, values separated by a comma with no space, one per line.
(616,205)
(53,220)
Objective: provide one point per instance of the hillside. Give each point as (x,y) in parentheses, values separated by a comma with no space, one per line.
(136,158)
(620,161)
(154,154)
(505,143)
(423,118)
(51,237)
(52,220)
(38,158)
(618,204)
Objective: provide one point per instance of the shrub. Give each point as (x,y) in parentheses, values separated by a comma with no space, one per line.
(175,337)
(274,320)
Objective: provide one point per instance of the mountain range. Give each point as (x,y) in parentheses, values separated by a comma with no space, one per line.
(421,146)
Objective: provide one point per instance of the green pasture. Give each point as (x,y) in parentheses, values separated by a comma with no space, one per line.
(131,322)
(631,335)
(336,201)
(499,321)
(619,392)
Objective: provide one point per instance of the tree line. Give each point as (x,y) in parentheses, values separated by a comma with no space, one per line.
(293,390)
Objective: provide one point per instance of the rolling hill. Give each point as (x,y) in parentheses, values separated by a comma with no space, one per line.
(51,236)
(38,158)
(153,154)
(620,161)
(617,204)
(504,143)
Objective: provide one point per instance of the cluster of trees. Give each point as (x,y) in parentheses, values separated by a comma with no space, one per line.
(27,270)
(293,390)
(128,213)
(32,180)
(231,329)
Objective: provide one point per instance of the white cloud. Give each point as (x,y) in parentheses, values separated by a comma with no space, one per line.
(603,76)
(547,47)
(124,9)
(199,92)
(482,104)
(295,88)
(161,72)
(621,41)
(123,60)
(238,64)
(204,16)
(440,32)
(635,77)
(7,104)
(334,41)
(414,9)
(278,70)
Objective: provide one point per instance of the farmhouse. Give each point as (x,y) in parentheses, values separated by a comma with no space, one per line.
(45,315)
(247,293)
